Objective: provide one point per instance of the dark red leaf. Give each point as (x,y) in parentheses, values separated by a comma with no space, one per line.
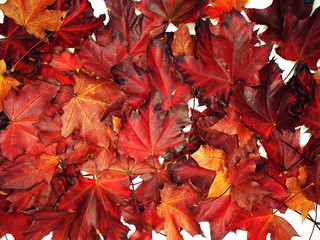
(219,68)
(266,108)
(299,39)
(149,131)
(78,24)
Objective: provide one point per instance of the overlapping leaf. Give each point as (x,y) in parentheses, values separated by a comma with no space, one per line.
(95,204)
(175,11)
(267,108)
(150,131)
(78,24)
(299,39)
(174,210)
(219,68)
(33,15)
(24,108)
(90,99)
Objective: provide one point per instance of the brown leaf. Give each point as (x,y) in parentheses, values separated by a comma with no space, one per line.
(183,42)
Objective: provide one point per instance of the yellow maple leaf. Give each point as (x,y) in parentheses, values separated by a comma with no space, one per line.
(209,158)
(296,200)
(213,159)
(33,15)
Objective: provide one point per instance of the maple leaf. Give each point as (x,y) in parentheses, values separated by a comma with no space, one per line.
(134,30)
(153,179)
(299,37)
(262,221)
(133,80)
(49,132)
(284,149)
(267,108)
(24,108)
(149,131)
(22,222)
(16,42)
(37,196)
(46,221)
(6,83)
(219,213)
(220,6)
(99,60)
(33,15)
(310,117)
(245,188)
(186,170)
(66,61)
(28,171)
(218,69)
(274,15)
(163,77)
(96,206)
(209,158)
(231,125)
(78,24)
(174,210)
(183,42)
(296,200)
(84,111)
(175,11)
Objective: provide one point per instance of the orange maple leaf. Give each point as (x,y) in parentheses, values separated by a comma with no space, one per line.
(6,83)
(183,42)
(84,111)
(220,6)
(296,199)
(33,15)
(174,210)
(213,159)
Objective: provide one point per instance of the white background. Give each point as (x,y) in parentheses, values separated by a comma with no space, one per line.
(303,229)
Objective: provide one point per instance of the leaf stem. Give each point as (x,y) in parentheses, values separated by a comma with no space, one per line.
(14,66)
(314,223)
(135,199)
(213,199)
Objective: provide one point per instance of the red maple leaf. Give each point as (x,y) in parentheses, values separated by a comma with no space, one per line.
(149,131)
(218,69)
(78,24)
(24,108)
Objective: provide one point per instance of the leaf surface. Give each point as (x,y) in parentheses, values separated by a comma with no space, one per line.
(219,6)
(84,111)
(33,15)
(6,83)
(163,76)
(266,108)
(299,37)
(149,131)
(24,108)
(218,69)
(96,206)
(274,15)
(78,24)
(174,210)
(262,221)
(46,221)
(175,11)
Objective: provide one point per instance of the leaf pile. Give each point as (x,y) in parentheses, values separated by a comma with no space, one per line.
(96,126)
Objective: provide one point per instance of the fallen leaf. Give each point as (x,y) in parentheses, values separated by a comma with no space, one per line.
(33,15)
